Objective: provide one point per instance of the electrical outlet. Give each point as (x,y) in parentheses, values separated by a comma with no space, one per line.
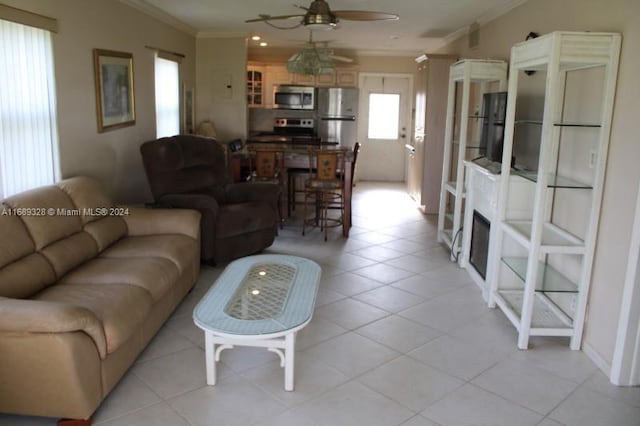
(593,157)
(574,303)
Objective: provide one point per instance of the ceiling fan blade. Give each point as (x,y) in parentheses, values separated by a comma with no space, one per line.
(264,18)
(365,15)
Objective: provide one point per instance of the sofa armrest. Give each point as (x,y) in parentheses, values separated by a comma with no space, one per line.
(141,221)
(38,316)
(253,191)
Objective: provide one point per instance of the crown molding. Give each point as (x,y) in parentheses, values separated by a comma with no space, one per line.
(395,52)
(222,34)
(160,15)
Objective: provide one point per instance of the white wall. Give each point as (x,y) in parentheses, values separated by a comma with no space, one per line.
(623,173)
(112,157)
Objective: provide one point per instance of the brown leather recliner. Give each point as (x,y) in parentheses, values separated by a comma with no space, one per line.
(191,172)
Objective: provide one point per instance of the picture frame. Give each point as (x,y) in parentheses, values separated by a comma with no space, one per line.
(189,112)
(115,102)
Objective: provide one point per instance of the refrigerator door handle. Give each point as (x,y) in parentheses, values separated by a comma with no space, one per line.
(349,118)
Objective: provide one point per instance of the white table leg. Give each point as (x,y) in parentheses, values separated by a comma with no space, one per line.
(210,358)
(289,361)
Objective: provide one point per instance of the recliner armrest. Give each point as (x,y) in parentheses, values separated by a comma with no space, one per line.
(39,316)
(141,221)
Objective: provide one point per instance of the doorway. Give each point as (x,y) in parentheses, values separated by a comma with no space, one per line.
(385,117)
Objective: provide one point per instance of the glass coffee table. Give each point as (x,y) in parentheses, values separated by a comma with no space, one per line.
(259,301)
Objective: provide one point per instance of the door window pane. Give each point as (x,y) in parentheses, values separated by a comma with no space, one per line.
(384,115)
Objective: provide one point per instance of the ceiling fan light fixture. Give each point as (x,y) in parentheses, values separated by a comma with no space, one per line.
(311,61)
(319,21)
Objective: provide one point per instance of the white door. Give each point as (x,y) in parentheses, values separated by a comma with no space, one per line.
(385,116)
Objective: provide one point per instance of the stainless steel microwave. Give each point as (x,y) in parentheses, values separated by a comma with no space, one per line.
(294,97)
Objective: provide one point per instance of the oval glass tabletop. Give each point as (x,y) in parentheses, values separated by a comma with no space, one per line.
(259,295)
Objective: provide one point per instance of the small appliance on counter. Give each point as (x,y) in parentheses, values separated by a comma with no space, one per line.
(337,112)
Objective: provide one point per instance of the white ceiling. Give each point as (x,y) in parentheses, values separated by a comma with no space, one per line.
(424,25)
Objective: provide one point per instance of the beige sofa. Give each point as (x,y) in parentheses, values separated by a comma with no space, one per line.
(83,288)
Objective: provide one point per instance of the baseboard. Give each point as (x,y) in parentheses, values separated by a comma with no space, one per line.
(597,359)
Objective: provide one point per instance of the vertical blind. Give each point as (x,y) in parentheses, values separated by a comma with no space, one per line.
(167,75)
(28,129)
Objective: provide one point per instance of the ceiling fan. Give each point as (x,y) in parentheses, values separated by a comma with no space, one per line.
(320,16)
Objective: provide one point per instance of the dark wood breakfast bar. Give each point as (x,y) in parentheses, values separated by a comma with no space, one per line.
(296,156)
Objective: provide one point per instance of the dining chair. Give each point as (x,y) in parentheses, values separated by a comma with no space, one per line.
(266,165)
(324,189)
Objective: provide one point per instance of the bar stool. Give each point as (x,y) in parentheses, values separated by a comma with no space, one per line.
(324,188)
(266,165)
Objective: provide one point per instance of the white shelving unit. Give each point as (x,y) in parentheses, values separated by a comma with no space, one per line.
(462,137)
(542,269)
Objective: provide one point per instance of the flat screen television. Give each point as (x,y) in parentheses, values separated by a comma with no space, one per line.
(494,109)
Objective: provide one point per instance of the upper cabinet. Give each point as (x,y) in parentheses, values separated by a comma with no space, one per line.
(276,74)
(255,86)
(542,271)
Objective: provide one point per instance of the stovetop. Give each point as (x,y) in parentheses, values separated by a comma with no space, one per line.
(295,131)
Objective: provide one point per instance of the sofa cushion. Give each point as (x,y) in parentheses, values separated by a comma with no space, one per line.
(49,216)
(120,307)
(106,231)
(243,218)
(152,274)
(26,276)
(179,249)
(15,241)
(87,195)
(67,253)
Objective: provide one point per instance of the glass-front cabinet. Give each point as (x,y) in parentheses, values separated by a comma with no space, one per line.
(255,86)
(559,108)
(469,80)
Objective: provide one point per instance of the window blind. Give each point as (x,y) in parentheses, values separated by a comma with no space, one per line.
(28,129)
(167,75)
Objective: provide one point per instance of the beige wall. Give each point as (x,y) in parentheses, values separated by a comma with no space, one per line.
(112,157)
(222,62)
(623,173)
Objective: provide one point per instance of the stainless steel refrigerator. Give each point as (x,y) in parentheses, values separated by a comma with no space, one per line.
(337,114)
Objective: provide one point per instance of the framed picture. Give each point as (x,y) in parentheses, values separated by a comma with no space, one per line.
(188,111)
(114,89)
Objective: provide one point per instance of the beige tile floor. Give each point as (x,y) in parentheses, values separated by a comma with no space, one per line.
(400,336)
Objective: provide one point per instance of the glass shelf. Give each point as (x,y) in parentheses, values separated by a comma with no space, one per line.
(553,181)
(577,125)
(548,280)
(543,319)
(473,145)
(567,124)
(535,122)
(554,238)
